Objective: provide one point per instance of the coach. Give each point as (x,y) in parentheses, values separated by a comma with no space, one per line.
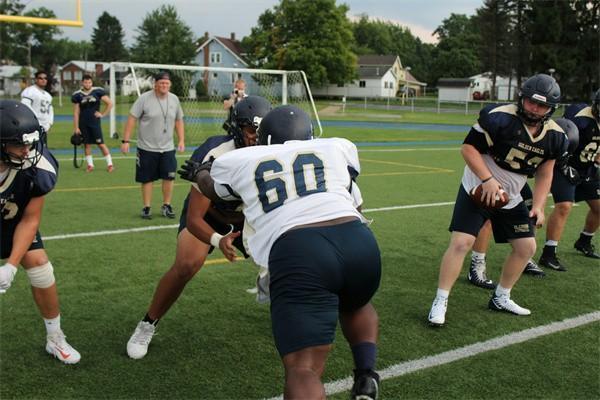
(158,112)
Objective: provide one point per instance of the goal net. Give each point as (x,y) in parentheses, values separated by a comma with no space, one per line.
(202,90)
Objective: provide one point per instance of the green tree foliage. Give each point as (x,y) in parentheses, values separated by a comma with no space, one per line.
(107,39)
(456,54)
(311,35)
(163,38)
(8,31)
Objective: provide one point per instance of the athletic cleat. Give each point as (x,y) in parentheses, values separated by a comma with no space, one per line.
(89,168)
(110,168)
(533,269)
(137,346)
(504,303)
(437,315)
(167,211)
(477,275)
(366,385)
(146,213)
(56,345)
(587,249)
(552,262)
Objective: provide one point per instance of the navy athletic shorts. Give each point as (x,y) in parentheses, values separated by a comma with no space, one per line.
(151,166)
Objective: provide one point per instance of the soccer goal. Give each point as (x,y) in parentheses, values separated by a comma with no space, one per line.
(202,90)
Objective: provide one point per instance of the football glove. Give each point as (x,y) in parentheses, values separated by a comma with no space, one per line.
(570,173)
(190,170)
(7,274)
(593,172)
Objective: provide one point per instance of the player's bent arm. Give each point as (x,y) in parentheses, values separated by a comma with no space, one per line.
(543,182)
(109,104)
(475,161)
(26,230)
(195,223)
(76,116)
(207,186)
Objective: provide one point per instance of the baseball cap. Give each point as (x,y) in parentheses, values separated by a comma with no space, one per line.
(162,75)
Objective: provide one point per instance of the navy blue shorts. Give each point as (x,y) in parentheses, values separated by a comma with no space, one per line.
(6,241)
(151,166)
(218,226)
(506,224)
(92,134)
(316,273)
(562,190)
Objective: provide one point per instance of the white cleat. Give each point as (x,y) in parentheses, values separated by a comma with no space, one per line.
(437,315)
(504,303)
(56,345)
(137,346)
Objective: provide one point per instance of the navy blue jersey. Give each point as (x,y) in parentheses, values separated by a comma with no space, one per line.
(589,136)
(89,103)
(20,186)
(500,133)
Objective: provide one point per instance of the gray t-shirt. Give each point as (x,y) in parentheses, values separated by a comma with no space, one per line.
(156,120)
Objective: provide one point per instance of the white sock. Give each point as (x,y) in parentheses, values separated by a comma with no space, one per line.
(552,243)
(587,233)
(502,291)
(89,160)
(108,159)
(52,325)
(476,256)
(442,293)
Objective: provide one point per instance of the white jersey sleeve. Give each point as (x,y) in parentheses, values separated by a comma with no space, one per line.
(40,103)
(283,186)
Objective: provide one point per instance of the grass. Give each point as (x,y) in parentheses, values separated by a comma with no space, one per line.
(215,342)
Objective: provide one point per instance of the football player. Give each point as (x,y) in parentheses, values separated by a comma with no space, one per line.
(477,271)
(39,100)
(27,173)
(508,143)
(323,260)
(86,119)
(201,223)
(580,181)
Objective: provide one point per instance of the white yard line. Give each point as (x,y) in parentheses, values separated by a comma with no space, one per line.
(474,349)
(158,227)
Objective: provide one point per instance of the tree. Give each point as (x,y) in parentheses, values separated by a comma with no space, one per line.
(8,31)
(163,38)
(107,39)
(311,35)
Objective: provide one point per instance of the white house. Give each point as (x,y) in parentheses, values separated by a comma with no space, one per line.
(128,86)
(506,88)
(455,89)
(12,80)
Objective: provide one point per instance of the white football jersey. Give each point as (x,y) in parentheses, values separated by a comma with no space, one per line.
(40,102)
(287,185)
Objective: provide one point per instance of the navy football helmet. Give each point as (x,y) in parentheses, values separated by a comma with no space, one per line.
(571,131)
(596,105)
(285,123)
(20,127)
(542,89)
(248,112)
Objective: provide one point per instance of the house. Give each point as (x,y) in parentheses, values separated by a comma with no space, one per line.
(506,87)
(378,76)
(129,87)
(455,89)
(14,78)
(72,72)
(218,51)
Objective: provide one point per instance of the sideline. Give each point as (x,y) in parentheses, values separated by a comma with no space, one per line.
(474,349)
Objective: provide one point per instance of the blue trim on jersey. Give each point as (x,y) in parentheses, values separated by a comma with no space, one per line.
(212,142)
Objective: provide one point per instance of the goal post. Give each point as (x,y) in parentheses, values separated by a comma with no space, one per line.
(201,91)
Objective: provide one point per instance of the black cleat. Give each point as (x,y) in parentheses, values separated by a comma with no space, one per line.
(366,385)
(477,275)
(534,270)
(587,249)
(167,211)
(552,262)
(146,213)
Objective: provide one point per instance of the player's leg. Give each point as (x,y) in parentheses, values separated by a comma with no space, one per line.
(88,140)
(303,371)
(146,172)
(109,163)
(477,269)
(590,192)
(168,167)
(189,258)
(43,287)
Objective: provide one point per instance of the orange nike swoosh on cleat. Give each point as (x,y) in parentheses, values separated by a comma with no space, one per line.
(64,355)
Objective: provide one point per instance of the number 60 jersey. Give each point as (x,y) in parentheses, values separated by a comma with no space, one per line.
(286,185)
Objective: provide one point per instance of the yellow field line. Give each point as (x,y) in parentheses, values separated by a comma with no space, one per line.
(406,165)
(446,171)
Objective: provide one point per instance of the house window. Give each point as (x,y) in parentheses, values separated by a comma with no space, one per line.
(385,85)
(78,75)
(340,85)
(362,84)
(215,75)
(67,76)
(215,58)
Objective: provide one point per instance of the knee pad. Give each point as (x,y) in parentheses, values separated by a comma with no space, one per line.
(41,277)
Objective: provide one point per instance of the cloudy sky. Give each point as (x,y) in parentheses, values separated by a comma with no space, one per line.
(221,17)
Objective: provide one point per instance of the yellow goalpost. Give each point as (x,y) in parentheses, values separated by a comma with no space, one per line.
(77,23)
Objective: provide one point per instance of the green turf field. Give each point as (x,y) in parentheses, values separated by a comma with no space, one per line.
(216,343)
